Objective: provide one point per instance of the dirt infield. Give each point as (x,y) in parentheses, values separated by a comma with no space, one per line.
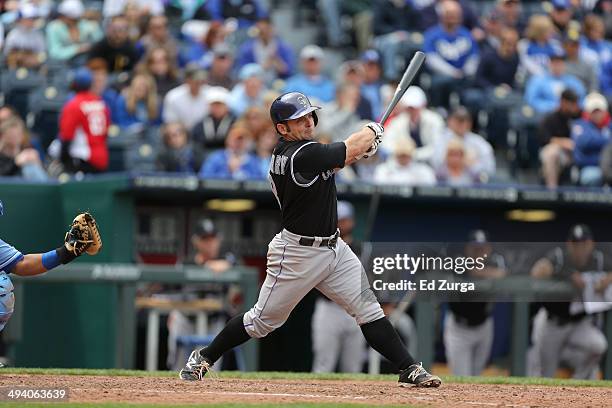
(152,390)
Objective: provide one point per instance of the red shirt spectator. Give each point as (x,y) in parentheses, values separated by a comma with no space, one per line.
(84,123)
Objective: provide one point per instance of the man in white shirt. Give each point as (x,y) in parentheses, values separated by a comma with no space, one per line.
(187,104)
(401,169)
(415,121)
(479,153)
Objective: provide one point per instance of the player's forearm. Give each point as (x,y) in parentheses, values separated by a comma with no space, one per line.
(357,144)
(30,265)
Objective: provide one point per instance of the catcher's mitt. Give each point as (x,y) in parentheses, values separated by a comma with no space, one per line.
(83,236)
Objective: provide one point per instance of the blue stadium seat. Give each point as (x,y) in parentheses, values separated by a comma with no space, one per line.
(17,85)
(45,105)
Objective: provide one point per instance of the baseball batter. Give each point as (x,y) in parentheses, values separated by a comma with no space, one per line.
(82,237)
(308,253)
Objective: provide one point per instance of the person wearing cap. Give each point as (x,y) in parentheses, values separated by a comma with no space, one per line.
(249,92)
(83,128)
(402,169)
(187,103)
(580,61)
(69,35)
(468,325)
(562,335)
(245,12)
(557,146)
(372,81)
(116,47)
(138,105)
(236,161)
(269,51)
(220,68)
(452,53)
(538,45)
(590,135)
(479,156)
(423,126)
(211,131)
(542,92)
(336,337)
(561,14)
(25,44)
(311,81)
(157,35)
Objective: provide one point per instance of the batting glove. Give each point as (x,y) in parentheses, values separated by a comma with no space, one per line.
(373,149)
(376,128)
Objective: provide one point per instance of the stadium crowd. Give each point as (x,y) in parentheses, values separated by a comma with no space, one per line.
(510,87)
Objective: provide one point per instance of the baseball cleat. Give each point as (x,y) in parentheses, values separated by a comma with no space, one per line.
(419,377)
(196,367)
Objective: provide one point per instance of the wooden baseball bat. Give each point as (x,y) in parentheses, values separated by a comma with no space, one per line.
(411,71)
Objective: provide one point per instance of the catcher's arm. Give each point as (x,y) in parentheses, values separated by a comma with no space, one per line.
(83,236)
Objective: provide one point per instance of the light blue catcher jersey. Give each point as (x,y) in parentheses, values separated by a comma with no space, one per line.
(9,256)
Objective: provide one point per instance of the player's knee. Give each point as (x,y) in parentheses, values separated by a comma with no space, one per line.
(369,313)
(599,345)
(257,327)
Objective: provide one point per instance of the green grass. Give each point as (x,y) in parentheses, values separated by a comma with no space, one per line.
(272,375)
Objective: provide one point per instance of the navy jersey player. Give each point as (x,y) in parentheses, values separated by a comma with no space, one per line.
(308,253)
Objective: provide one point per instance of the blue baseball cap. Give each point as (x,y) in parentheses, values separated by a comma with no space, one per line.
(370,56)
(561,4)
(1,208)
(82,79)
(251,70)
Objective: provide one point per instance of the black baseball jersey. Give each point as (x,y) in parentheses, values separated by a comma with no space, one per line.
(303,180)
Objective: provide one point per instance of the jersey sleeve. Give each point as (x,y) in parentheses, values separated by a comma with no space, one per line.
(9,256)
(316,157)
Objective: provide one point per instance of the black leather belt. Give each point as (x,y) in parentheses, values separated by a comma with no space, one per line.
(328,242)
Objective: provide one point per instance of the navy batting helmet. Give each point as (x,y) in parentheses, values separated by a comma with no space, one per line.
(290,106)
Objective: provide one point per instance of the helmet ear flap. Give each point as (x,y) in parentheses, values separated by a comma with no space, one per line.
(315,117)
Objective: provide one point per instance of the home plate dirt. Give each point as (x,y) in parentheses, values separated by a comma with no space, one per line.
(215,390)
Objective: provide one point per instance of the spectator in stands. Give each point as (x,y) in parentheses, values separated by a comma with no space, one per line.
(235,161)
(246,12)
(201,51)
(402,169)
(220,69)
(594,40)
(391,24)
(138,105)
(372,82)
(360,13)
(455,170)
(157,35)
(352,72)
(560,336)
(452,53)
(538,45)
(256,119)
(69,36)
(269,51)
(543,91)
(428,12)
(136,23)
(511,14)
(423,126)
(187,103)
(555,138)
(8,112)
(341,115)
(83,128)
(177,153)
(311,81)
(114,8)
(17,158)
(266,141)
(158,63)
(210,132)
(479,157)
(116,47)
(25,44)
(249,91)
(561,15)
(590,136)
(579,62)
(493,27)
(603,8)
